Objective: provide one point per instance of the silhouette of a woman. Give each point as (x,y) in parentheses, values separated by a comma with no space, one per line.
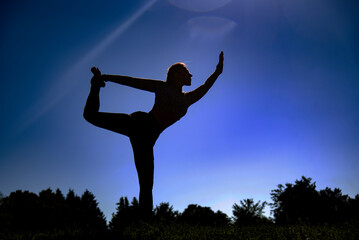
(142,128)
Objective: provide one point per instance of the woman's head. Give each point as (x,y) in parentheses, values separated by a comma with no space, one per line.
(179,74)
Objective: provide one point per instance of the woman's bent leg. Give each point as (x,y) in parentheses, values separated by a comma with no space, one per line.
(117,122)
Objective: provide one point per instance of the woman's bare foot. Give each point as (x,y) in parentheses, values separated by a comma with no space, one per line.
(96,80)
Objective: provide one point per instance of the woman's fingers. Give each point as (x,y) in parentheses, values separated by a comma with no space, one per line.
(219,68)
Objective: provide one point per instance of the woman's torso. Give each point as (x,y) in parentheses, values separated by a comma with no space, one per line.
(169,107)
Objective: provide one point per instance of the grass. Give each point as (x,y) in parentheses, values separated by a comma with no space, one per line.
(186,232)
(145,231)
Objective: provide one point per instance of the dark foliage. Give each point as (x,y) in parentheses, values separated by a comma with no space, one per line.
(333,205)
(302,203)
(164,213)
(91,217)
(249,213)
(203,216)
(23,211)
(354,208)
(126,214)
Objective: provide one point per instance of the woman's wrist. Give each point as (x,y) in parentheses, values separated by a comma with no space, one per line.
(105,77)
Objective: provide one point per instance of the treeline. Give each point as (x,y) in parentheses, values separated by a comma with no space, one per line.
(23,211)
(298,203)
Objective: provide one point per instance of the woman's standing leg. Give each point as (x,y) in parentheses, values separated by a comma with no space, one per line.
(144,161)
(143,139)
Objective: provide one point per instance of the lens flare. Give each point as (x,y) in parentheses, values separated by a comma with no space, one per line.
(199,5)
(208,27)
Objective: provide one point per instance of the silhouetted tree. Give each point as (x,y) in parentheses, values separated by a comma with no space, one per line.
(135,208)
(91,216)
(28,212)
(60,209)
(296,203)
(334,206)
(2,214)
(204,216)
(73,204)
(221,219)
(301,202)
(125,215)
(354,208)
(50,211)
(249,213)
(20,210)
(164,213)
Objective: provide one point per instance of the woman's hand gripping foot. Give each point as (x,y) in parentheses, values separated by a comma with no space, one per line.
(97,79)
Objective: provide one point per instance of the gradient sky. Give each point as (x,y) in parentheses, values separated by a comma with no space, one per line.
(286,105)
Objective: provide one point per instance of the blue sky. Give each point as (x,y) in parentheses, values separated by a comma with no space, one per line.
(286,105)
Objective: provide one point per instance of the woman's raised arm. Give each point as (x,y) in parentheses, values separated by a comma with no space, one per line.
(139,83)
(199,92)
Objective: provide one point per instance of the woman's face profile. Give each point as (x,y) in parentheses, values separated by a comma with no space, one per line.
(184,76)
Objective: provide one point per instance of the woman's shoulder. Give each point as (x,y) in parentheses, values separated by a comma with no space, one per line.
(162,86)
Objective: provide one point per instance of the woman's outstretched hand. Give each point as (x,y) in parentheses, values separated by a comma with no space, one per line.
(219,67)
(97,79)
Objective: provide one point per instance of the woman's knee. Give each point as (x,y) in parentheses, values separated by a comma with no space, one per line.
(88,115)
(92,117)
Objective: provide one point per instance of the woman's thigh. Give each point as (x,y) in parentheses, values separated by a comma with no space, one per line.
(144,161)
(117,122)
